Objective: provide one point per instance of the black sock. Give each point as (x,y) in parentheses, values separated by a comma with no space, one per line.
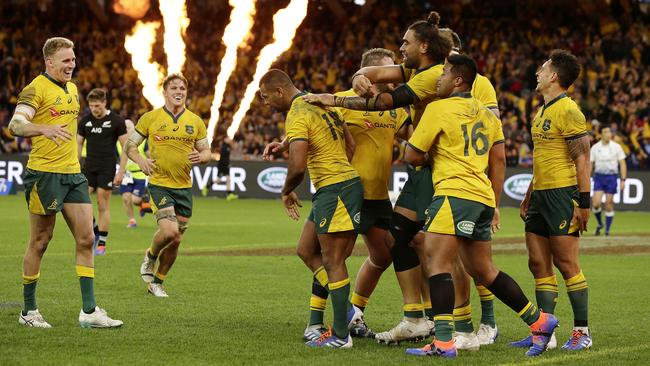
(508,291)
(441,288)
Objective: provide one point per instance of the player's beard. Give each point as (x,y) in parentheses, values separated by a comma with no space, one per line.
(411,62)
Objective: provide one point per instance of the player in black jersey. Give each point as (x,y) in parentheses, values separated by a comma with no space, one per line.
(223,167)
(102,128)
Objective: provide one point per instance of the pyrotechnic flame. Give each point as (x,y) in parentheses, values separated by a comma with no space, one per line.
(175,20)
(139,44)
(241,22)
(135,9)
(285,23)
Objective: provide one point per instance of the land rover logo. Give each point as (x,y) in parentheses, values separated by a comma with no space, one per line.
(272,179)
(466,227)
(517,185)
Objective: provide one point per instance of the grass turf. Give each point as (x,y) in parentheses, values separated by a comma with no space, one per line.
(253,309)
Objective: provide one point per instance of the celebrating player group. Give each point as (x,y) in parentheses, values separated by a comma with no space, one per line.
(437,236)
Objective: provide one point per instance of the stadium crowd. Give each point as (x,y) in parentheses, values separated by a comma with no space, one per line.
(614,49)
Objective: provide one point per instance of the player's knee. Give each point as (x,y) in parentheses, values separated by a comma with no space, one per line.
(39,244)
(404,257)
(182,226)
(567,266)
(402,229)
(380,260)
(537,268)
(304,254)
(86,241)
(136,200)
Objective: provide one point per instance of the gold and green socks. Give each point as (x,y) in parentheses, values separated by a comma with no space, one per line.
(29,292)
(340,292)
(359,301)
(318,299)
(578,292)
(159,277)
(413,310)
(546,293)
(86,277)
(487,306)
(529,314)
(463,319)
(428,309)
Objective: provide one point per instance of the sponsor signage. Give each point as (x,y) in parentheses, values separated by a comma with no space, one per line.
(258,179)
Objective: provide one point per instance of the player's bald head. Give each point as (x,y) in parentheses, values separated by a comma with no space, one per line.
(275,78)
(277,89)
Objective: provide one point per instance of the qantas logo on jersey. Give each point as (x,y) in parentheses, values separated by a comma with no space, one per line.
(55,113)
(159,138)
(371,125)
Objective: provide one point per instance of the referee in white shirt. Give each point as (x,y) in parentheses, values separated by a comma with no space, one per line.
(608,161)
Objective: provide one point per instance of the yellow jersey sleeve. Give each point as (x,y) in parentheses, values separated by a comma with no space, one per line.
(427,131)
(142,127)
(32,96)
(423,85)
(496,129)
(484,92)
(573,124)
(202,132)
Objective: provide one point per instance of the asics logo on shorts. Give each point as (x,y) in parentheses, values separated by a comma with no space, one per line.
(357,217)
(53,205)
(162,201)
(563,224)
(466,227)
(322,222)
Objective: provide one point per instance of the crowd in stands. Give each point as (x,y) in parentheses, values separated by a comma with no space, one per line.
(508,41)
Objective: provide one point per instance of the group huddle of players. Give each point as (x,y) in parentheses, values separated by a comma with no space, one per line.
(438,234)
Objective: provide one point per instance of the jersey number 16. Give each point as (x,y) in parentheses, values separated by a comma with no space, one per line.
(476,136)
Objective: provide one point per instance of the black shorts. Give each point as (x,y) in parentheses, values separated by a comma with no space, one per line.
(100,177)
(223,170)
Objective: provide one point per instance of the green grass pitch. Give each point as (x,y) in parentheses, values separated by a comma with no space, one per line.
(232,302)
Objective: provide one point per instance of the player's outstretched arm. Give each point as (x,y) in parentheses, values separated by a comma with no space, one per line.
(146,165)
(579,150)
(21,125)
(366,77)
(496,175)
(399,97)
(202,154)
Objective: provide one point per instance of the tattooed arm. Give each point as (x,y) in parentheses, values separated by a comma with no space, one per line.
(579,150)
(202,154)
(400,97)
